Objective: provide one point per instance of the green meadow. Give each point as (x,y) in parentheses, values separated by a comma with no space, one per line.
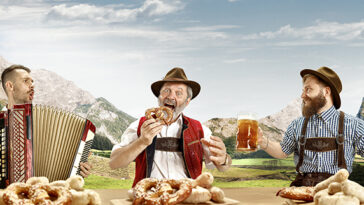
(265,173)
(252,172)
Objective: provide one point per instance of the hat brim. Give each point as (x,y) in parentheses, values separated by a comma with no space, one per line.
(335,94)
(156,86)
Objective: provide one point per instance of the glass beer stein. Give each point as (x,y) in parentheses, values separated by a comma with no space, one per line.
(247,136)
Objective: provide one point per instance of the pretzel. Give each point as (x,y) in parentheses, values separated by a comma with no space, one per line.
(163,114)
(298,193)
(339,177)
(153,191)
(353,189)
(37,180)
(217,194)
(21,193)
(75,182)
(45,194)
(205,180)
(334,187)
(13,191)
(323,198)
(198,195)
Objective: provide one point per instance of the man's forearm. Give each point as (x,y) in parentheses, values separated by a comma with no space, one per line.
(121,157)
(274,149)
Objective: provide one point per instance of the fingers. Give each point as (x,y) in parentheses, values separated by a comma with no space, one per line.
(151,126)
(261,140)
(217,152)
(260,133)
(216,142)
(217,149)
(85,169)
(149,130)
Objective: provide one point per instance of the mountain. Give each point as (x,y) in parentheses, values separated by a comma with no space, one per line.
(284,117)
(52,89)
(109,120)
(361,110)
(4,63)
(273,126)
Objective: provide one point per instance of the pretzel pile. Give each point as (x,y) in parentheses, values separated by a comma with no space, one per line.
(339,190)
(163,114)
(38,190)
(171,192)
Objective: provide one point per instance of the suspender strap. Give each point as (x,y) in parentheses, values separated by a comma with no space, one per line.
(302,143)
(340,142)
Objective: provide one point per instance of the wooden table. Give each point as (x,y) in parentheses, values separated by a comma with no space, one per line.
(254,196)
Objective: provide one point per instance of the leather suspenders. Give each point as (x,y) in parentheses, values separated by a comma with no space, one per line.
(322,144)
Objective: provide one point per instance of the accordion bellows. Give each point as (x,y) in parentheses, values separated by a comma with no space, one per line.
(44,141)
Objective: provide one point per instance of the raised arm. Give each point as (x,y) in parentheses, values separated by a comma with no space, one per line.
(122,156)
(274,149)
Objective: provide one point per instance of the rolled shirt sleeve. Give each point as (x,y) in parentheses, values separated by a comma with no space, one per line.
(360,137)
(288,143)
(129,135)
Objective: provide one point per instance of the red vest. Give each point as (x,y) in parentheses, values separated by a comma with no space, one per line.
(192,151)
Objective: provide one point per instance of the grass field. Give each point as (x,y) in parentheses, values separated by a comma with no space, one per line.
(100,182)
(264,162)
(243,173)
(234,177)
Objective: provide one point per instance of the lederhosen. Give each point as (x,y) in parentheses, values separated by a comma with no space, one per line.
(319,144)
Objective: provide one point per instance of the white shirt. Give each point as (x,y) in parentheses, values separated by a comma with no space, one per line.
(167,164)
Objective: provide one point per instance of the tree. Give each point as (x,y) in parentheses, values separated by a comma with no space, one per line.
(101,143)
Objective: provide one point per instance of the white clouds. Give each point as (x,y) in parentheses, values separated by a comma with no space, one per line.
(321,30)
(113,13)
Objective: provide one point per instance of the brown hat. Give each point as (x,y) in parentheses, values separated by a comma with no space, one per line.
(179,76)
(330,78)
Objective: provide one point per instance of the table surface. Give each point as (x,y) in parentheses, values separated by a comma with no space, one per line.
(256,196)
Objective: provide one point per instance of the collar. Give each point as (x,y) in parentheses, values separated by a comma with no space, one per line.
(178,121)
(327,114)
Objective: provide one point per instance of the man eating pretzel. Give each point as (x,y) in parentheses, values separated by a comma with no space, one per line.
(173,151)
(18,86)
(324,139)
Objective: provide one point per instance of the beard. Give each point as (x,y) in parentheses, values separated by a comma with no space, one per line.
(177,110)
(313,105)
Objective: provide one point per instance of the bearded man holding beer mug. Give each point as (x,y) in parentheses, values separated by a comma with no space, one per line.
(324,139)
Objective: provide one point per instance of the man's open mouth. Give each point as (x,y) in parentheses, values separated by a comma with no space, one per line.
(169,105)
(31,95)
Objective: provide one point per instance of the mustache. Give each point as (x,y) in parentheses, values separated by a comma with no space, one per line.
(172,102)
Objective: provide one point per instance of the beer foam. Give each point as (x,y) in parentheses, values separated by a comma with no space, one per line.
(246,117)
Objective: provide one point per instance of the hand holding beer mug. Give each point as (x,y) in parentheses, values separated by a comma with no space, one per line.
(247,136)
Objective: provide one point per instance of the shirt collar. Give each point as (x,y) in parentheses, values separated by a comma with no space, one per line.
(179,120)
(328,114)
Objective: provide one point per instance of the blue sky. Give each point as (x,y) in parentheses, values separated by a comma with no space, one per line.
(246,54)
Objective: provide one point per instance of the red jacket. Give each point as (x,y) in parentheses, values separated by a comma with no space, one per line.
(192,151)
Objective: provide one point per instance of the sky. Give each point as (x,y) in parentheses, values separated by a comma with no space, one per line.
(246,54)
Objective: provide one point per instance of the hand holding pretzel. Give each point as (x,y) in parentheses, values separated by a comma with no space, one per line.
(162,114)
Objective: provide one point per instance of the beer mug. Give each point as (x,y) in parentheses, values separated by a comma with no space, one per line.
(247,136)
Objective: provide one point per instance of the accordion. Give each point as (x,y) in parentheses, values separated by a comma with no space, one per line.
(42,141)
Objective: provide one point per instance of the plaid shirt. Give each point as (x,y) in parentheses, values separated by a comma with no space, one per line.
(325,125)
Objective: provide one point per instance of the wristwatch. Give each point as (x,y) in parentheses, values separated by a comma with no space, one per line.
(226,160)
